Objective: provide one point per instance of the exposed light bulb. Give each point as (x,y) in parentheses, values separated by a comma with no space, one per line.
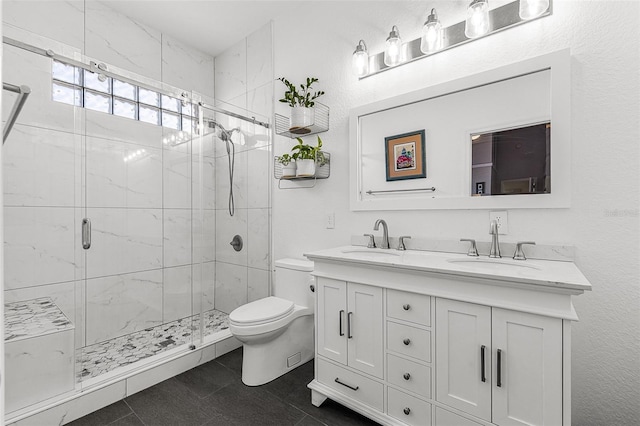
(393,48)
(530,9)
(431,34)
(477,23)
(360,60)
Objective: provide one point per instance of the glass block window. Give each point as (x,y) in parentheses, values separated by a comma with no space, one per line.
(80,87)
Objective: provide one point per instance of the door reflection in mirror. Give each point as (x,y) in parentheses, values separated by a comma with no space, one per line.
(513,161)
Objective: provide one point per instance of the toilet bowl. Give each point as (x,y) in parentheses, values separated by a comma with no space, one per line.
(277,332)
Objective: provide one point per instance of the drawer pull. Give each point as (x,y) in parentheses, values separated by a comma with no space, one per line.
(406,376)
(407,342)
(349,386)
(406,306)
(407,410)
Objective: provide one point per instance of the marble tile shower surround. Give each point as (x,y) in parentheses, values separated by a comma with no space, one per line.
(244,82)
(31,318)
(101,358)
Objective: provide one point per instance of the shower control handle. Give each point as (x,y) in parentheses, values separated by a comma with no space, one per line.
(86,233)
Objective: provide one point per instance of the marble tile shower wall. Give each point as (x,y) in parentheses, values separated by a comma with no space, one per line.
(141,264)
(244,83)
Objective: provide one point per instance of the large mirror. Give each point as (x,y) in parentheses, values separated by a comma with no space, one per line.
(490,140)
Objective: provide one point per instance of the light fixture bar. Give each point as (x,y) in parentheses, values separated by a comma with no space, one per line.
(501,18)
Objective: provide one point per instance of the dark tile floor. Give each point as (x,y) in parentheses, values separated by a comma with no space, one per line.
(213,394)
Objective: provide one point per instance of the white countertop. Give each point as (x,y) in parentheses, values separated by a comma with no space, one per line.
(556,274)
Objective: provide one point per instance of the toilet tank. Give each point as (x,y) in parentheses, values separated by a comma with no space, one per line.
(293,280)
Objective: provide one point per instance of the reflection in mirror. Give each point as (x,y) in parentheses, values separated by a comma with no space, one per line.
(510,162)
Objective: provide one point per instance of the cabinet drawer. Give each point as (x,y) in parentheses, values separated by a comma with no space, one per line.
(409,375)
(351,384)
(408,409)
(409,341)
(409,307)
(447,418)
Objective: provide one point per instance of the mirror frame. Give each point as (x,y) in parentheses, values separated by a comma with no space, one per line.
(558,63)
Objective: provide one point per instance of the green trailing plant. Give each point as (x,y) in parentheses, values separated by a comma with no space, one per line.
(303,151)
(284,159)
(304,97)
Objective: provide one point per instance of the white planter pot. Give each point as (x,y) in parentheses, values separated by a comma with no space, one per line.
(301,119)
(289,170)
(306,168)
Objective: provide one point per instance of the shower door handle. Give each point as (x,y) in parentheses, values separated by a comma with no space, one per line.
(86,234)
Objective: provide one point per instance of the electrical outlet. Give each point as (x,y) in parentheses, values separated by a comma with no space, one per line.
(503,221)
(330,220)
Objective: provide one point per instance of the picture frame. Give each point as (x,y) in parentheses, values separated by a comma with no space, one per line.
(405,156)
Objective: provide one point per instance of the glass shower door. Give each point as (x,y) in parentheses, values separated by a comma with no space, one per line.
(139,192)
(43,260)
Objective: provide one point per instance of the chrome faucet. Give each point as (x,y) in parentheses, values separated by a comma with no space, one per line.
(385,233)
(495,245)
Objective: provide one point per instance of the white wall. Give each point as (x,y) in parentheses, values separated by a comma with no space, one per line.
(603,221)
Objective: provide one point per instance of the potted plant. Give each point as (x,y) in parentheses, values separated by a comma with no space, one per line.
(306,156)
(289,165)
(301,103)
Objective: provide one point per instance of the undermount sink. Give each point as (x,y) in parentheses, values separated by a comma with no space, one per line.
(492,264)
(370,252)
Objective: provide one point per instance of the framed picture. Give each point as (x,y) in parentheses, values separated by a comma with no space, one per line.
(405,156)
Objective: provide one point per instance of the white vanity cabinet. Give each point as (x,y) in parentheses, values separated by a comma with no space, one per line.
(350,325)
(429,338)
(499,365)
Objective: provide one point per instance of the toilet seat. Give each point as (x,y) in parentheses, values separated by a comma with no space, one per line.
(264,316)
(261,311)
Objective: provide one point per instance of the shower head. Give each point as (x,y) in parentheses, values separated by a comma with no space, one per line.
(225,135)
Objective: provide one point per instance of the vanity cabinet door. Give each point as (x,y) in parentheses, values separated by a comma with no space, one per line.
(527,389)
(331,312)
(365,328)
(462,331)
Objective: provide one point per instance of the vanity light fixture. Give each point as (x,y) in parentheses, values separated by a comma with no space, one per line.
(530,9)
(360,60)
(477,23)
(432,36)
(393,48)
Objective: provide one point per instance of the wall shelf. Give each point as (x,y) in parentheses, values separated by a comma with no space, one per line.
(323,171)
(320,124)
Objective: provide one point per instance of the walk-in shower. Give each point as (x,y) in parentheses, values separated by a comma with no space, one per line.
(140,162)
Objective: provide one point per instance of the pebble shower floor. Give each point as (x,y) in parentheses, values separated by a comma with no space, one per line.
(104,357)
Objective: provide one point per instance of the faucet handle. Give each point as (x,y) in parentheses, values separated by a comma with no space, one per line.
(372,241)
(473,250)
(519,254)
(401,239)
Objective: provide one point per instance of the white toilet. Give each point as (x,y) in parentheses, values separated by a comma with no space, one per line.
(277,331)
